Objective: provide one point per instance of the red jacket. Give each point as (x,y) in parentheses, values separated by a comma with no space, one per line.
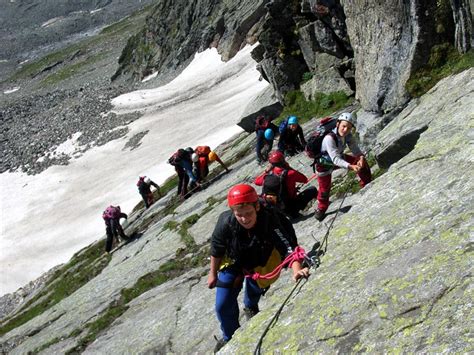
(292,178)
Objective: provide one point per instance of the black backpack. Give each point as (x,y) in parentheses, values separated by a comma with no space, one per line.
(313,145)
(274,184)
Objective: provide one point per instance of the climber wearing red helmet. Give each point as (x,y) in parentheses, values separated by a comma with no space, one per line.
(248,238)
(278,183)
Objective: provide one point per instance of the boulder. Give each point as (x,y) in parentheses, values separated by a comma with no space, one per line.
(263,104)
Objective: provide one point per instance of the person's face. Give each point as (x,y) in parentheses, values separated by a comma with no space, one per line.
(293,126)
(344,128)
(246,215)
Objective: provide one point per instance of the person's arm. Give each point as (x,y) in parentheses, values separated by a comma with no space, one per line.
(218,247)
(222,163)
(298,177)
(301,135)
(214,267)
(298,271)
(260,179)
(123,215)
(330,146)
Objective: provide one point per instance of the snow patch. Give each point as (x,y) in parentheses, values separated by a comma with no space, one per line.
(149,77)
(52,21)
(48,217)
(16,88)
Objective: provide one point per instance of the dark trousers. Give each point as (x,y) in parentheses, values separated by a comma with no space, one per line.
(263,146)
(183,180)
(113,230)
(293,206)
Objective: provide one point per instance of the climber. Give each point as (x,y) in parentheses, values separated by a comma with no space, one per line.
(144,188)
(248,238)
(113,228)
(332,158)
(279,185)
(202,156)
(265,131)
(291,139)
(181,160)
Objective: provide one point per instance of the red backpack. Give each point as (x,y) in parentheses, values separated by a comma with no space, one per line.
(203,150)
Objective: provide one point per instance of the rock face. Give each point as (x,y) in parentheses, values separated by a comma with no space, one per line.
(397,273)
(367,47)
(177,29)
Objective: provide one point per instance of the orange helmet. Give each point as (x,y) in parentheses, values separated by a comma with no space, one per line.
(212,156)
(241,193)
(276,157)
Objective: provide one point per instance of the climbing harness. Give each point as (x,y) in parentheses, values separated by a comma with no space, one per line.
(311,260)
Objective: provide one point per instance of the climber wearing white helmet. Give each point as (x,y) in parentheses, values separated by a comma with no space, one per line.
(332,158)
(144,188)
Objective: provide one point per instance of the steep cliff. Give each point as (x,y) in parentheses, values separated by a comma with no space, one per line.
(397,274)
(366,47)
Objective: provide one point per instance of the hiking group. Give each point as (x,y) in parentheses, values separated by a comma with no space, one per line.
(255,238)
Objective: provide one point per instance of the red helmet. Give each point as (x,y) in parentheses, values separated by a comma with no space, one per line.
(241,193)
(276,157)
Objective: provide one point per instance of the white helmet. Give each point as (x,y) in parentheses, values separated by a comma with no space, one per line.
(347,116)
(195,157)
(147,180)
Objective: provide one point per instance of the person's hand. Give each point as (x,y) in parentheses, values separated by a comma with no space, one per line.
(362,162)
(354,168)
(300,274)
(211,280)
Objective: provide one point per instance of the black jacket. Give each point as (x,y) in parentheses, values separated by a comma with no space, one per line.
(251,248)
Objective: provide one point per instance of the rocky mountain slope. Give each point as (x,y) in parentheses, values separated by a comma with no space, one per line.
(397,273)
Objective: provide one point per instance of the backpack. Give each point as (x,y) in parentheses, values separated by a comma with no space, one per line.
(203,150)
(274,184)
(262,122)
(111,212)
(282,126)
(177,157)
(313,146)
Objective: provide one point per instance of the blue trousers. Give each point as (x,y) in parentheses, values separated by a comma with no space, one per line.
(227,307)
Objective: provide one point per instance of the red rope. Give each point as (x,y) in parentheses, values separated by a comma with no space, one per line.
(297,255)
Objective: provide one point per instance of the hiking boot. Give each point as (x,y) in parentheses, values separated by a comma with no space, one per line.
(250,312)
(220,344)
(319,215)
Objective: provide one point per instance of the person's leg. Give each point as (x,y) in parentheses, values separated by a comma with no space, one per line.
(117,228)
(110,238)
(258,148)
(227,308)
(145,200)
(150,199)
(304,197)
(181,174)
(324,188)
(252,294)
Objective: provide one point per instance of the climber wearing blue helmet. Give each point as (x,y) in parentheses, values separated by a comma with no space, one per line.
(291,137)
(265,131)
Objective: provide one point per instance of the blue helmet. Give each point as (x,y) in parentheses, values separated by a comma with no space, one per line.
(292,120)
(269,134)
